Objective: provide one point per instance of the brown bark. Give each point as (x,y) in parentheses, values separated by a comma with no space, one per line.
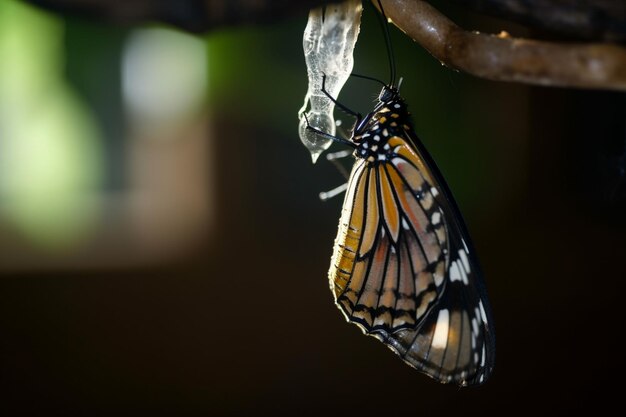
(502,58)
(579,19)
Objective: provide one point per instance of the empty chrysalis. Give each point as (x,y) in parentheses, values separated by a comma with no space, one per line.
(328,42)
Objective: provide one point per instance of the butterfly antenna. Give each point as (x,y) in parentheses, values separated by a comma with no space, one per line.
(382,18)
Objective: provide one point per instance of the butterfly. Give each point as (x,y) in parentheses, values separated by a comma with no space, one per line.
(403,268)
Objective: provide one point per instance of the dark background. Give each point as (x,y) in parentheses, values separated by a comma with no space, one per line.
(241,322)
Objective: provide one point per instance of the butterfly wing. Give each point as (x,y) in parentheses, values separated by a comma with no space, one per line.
(403,271)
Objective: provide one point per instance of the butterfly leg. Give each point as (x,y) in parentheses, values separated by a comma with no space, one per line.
(327,195)
(327,135)
(334,156)
(346,109)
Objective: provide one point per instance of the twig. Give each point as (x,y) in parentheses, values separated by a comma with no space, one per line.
(503,58)
(600,20)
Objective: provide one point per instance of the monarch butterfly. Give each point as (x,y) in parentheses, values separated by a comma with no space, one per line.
(403,268)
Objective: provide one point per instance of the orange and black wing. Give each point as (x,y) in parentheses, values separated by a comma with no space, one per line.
(403,269)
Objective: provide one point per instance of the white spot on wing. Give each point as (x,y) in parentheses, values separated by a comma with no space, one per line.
(434,192)
(464,259)
(440,337)
(462,270)
(455,273)
(405,225)
(483,315)
(436,218)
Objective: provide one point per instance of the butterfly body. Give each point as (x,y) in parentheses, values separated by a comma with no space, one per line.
(402,268)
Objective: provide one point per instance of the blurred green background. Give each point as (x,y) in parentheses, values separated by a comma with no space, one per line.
(163,250)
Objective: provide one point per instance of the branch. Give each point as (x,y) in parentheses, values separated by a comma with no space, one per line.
(603,20)
(502,58)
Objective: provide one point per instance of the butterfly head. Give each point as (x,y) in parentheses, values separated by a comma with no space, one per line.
(389,98)
(388,94)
